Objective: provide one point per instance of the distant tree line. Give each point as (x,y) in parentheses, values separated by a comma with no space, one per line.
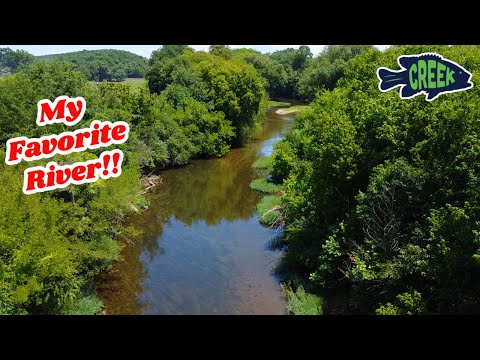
(104,65)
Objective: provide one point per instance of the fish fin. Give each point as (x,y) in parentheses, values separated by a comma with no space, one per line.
(389,78)
(407,92)
(434,56)
(406,61)
(432,95)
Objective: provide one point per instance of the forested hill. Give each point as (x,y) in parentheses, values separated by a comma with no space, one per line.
(100,65)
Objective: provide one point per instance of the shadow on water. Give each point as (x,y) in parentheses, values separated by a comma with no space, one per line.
(202,250)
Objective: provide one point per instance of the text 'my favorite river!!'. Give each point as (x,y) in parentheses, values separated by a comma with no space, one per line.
(202,249)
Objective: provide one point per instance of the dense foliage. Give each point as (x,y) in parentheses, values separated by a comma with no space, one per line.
(52,244)
(382,195)
(273,73)
(379,196)
(326,69)
(220,83)
(104,65)
(295,73)
(11,60)
(294,62)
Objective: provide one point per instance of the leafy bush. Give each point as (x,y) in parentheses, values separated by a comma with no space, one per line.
(383,193)
(104,65)
(142,202)
(409,303)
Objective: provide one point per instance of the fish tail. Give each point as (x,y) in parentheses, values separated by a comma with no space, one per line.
(389,78)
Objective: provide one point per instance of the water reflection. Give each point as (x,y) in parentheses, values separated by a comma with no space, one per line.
(202,250)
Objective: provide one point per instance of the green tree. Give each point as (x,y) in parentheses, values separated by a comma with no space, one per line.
(382,194)
(327,68)
(12,60)
(168,52)
(103,65)
(223,51)
(294,62)
(272,72)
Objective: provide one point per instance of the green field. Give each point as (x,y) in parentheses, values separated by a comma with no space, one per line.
(135,83)
(140,83)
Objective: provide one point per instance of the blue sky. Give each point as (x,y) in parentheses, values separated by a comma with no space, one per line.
(146,50)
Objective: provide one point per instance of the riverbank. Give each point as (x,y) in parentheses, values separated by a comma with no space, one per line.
(292,109)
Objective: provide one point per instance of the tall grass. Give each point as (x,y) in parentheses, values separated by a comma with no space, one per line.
(263,163)
(301,303)
(265,186)
(268,209)
(84,305)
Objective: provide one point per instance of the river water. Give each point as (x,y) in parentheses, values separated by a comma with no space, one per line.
(202,249)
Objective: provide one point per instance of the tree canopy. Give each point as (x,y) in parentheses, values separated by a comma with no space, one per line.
(11,60)
(326,69)
(104,65)
(382,199)
(220,82)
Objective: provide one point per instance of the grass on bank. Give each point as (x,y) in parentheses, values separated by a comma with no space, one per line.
(301,303)
(268,209)
(277,103)
(265,186)
(293,109)
(84,305)
(263,163)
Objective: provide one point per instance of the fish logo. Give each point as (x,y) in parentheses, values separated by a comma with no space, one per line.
(427,73)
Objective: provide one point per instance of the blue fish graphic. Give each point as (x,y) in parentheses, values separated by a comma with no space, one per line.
(427,73)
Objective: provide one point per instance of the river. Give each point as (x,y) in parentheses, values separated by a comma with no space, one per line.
(202,249)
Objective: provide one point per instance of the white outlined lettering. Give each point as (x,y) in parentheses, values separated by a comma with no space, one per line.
(56,112)
(23,148)
(68,111)
(53,176)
